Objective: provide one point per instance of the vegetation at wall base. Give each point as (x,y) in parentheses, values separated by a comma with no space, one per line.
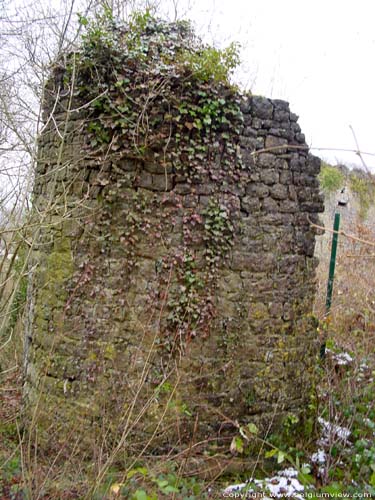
(346,392)
(345,398)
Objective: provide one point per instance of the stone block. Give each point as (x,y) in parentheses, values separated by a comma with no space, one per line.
(269,176)
(257,190)
(279,192)
(250,205)
(262,107)
(276,144)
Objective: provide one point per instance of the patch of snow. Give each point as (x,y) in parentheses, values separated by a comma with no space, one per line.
(281,487)
(9,255)
(341,358)
(320,457)
(284,485)
(290,472)
(235,487)
(333,431)
(321,471)
(363,371)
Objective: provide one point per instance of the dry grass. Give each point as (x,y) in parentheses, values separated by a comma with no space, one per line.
(352,318)
(350,327)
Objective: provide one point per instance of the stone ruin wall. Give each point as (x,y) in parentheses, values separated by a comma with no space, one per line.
(167,306)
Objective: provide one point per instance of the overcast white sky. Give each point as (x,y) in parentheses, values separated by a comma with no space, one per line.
(317,54)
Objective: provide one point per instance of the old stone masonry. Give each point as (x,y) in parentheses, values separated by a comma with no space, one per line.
(173,271)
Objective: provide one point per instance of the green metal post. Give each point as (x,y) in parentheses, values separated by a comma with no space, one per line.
(332,264)
(331,276)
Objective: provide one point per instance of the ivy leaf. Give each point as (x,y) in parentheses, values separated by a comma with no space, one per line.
(162,483)
(280,457)
(115,488)
(140,495)
(83,21)
(236,445)
(170,489)
(270,453)
(252,428)
(139,470)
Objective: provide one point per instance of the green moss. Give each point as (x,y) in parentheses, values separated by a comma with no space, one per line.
(8,430)
(60,263)
(250,397)
(52,294)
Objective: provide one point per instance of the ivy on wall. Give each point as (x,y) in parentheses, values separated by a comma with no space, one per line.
(156,94)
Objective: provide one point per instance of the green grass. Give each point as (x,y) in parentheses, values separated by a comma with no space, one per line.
(331,178)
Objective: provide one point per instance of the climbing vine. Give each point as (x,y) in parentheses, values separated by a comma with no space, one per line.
(219,232)
(155,91)
(156,94)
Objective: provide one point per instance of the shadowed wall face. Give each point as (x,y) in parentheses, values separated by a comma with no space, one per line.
(173,275)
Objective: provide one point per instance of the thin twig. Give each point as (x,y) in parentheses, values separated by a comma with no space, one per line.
(358,151)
